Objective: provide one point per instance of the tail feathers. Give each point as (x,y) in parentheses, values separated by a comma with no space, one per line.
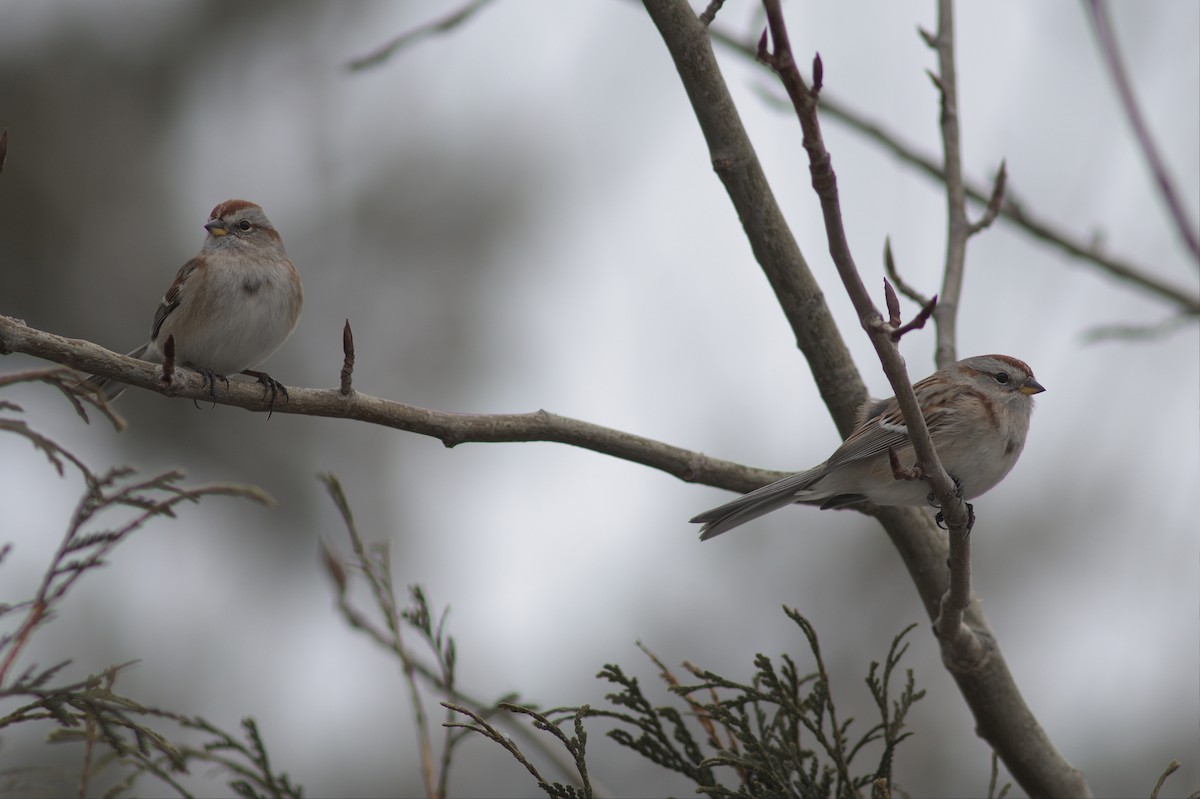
(115,388)
(758,503)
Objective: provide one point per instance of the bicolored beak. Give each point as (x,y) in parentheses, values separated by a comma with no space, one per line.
(1031,387)
(217,228)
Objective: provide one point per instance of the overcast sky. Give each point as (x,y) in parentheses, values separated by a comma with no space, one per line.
(521,214)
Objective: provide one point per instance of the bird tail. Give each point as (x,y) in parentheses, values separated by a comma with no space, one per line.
(757,503)
(111,389)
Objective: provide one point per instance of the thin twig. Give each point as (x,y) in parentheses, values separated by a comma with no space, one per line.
(994,204)
(375,568)
(949,622)
(889,265)
(710,12)
(1139,332)
(1081,247)
(1111,53)
(441,25)
(379,579)
(1172,767)
(737,165)
(958,228)
(1007,723)
(824,182)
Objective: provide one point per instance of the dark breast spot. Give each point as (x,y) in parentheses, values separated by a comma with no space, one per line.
(251,285)
(1010,446)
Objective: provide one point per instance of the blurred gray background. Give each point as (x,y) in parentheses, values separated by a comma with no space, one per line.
(521,215)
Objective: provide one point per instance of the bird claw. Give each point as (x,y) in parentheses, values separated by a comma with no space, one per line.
(210,380)
(940,519)
(958,492)
(270,386)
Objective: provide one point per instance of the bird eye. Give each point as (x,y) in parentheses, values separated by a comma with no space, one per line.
(244,225)
(1001,377)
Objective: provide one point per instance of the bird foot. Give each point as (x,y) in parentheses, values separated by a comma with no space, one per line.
(210,380)
(270,386)
(940,519)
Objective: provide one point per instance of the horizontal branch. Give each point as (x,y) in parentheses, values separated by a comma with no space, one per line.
(448,427)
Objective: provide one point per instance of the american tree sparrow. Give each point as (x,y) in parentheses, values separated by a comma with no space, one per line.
(977,411)
(231,306)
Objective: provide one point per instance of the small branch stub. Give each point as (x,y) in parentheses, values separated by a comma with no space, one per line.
(710,13)
(348,360)
(918,321)
(889,264)
(763,54)
(893,304)
(995,202)
(900,472)
(168,363)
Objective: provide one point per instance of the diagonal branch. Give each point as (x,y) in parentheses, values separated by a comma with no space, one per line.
(775,249)
(1083,248)
(987,686)
(442,25)
(824,182)
(1107,40)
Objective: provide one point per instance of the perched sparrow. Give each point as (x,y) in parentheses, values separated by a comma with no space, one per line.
(231,306)
(977,411)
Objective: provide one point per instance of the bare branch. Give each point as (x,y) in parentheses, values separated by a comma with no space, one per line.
(710,13)
(824,182)
(1107,41)
(962,647)
(437,26)
(1081,247)
(958,228)
(450,428)
(994,204)
(918,321)
(775,249)
(79,394)
(1171,768)
(1130,332)
(989,689)
(889,265)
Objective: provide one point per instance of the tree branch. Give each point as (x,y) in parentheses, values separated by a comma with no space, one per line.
(987,685)
(1098,13)
(957,227)
(450,428)
(447,23)
(949,622)
(1011,210)
(737,165)
(824,182)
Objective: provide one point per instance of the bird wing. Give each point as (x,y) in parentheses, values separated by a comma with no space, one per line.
(883,428)
(170,300)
